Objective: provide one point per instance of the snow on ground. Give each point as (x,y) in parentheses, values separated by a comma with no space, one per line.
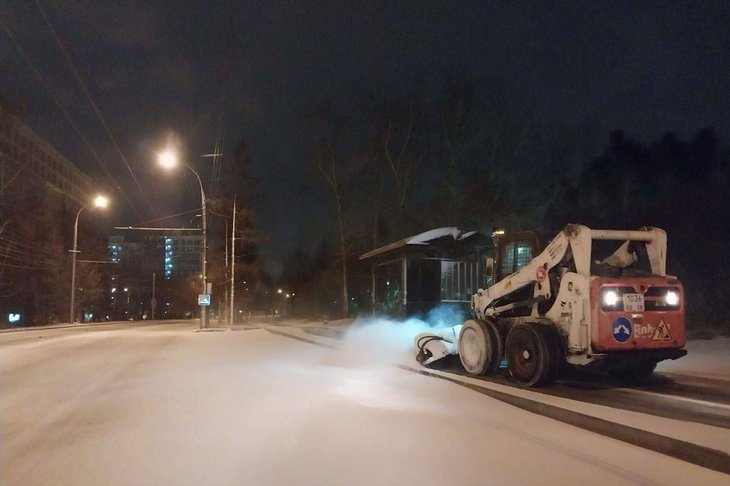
(152,406)
(710,357)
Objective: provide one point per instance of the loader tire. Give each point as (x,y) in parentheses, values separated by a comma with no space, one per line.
(480,347)
(532,354)
(556,352)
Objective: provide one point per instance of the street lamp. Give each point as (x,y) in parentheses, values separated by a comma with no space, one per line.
(169,160)
(100,202)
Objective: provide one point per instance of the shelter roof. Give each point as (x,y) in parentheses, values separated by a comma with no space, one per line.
(422,239)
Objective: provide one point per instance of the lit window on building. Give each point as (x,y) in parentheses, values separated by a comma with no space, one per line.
(115,253)
(168,259)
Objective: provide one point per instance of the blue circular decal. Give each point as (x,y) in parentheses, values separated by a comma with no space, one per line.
(621,329)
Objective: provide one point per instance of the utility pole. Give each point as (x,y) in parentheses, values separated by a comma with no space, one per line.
(233,262)
(153,301)
(223,306)
(99,202)
(204,308)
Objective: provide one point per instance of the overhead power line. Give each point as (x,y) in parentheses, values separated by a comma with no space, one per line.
(140,228)
(65,113)
(168,217)
(93,104)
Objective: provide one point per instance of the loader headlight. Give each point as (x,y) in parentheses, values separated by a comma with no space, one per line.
(672,298)
(610,298)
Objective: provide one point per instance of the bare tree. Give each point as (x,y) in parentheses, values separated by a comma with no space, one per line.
(328,166)
(332,166)
(396,147)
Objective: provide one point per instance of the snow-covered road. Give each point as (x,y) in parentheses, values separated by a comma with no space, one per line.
(166,405)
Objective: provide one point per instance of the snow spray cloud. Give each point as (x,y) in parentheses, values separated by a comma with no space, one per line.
(388,341)
(445,315)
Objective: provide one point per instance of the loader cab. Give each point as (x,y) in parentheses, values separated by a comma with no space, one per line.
(512,252)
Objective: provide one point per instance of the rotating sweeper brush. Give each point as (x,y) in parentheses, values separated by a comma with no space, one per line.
(437,344)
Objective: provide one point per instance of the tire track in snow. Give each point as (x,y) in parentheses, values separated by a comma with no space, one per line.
(696,454)
(679,449)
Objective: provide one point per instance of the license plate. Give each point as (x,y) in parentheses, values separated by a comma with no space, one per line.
(633,302)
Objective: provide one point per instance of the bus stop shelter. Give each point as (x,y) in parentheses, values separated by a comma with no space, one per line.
(440,266)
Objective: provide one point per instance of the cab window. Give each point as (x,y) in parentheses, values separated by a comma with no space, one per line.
(514,256)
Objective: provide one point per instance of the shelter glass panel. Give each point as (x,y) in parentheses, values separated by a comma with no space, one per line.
(459,280)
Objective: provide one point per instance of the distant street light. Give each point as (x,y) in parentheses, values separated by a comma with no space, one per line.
(168,159)
(100,202)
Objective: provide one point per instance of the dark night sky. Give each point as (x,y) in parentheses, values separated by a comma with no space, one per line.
(227,68)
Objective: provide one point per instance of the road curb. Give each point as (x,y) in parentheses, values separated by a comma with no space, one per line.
(60,326)
(679,449)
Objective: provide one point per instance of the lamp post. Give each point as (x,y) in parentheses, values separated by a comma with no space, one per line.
(99,202)
(168,159)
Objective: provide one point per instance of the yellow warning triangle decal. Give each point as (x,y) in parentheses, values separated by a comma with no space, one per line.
(662,332)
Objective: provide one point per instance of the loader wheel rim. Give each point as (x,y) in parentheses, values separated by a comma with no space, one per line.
(472,353)
(479,348)
(525,359)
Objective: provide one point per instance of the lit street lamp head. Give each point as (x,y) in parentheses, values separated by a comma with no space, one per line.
(101,202)
(167,159)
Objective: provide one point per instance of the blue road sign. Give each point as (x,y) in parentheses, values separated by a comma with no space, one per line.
(622,329)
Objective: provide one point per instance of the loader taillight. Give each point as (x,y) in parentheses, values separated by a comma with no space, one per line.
(612,298)
(672,298)
(659,298)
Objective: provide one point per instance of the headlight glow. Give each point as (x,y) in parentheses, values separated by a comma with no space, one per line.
(672,298)
(610,298)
